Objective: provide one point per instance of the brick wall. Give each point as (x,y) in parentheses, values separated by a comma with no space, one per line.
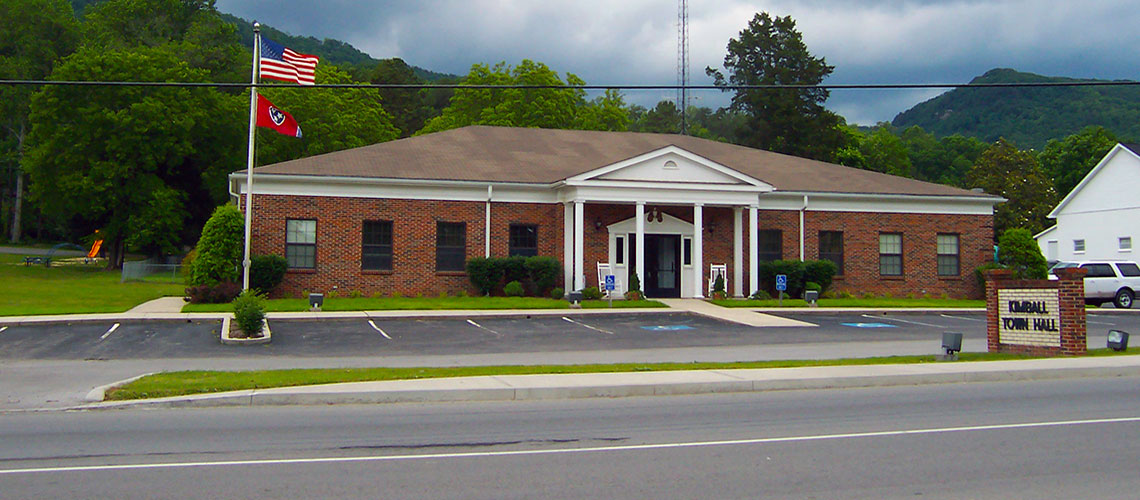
(339,223)
(339,227)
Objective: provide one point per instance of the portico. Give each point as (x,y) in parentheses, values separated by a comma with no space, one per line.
(666,251)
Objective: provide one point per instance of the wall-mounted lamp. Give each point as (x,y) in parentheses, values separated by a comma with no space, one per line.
(712,226)
(653,214)
(598,224)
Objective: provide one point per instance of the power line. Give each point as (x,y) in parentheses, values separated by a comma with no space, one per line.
(841,86)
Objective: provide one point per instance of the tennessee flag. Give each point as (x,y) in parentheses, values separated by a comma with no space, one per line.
(270,116)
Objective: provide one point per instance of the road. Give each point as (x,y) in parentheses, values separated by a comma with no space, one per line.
(1056,439)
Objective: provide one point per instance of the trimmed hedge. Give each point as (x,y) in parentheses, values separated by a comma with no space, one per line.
(219,250)
(537,275)
(266,272)
(799,274)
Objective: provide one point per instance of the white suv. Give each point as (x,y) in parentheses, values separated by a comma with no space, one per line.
(1107,281)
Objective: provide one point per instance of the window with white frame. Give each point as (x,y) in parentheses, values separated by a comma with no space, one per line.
(1125,243)
(301,243)
(1078,245)
(890,254)
(948,255)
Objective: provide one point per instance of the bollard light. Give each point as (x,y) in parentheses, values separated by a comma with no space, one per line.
(951,342)
(1117,340)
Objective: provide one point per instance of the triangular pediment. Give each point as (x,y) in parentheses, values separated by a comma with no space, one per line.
(670,165)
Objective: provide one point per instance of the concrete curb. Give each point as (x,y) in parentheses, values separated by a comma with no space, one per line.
(265,338)
(612,385)
(100,393)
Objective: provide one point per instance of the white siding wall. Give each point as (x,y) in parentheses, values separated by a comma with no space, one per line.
(1106,208)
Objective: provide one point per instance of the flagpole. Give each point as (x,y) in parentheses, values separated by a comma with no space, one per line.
(249,163)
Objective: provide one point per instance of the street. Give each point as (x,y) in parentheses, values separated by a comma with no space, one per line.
(1055,439)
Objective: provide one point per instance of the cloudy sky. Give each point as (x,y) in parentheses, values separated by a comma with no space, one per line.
(635,41)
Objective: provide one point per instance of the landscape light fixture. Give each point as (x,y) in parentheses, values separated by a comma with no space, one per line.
(1117,340)
(951,345)
(316,300)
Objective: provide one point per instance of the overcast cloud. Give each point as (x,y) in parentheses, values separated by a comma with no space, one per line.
(635,41)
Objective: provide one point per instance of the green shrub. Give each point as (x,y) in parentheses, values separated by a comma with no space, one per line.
(820,272)
(484,274)
(355,294)
(218,293)
(634,283)
(249,313)
(1019,252)
(219,251)
(513,289)
(591,293)
(544,272)
(812,286)
(514,269)
(461,293)
(718,284)
(377,295)
(557,293)
(760,295)
(980,273)
(793,269)
(266,272)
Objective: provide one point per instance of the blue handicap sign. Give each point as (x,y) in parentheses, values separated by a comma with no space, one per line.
(781,282)
(611,282)
(869,325)
(667,328)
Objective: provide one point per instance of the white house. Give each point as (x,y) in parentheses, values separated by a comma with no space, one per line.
(1100,218)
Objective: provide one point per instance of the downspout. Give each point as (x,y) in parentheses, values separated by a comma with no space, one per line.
(802,210)
(487,235)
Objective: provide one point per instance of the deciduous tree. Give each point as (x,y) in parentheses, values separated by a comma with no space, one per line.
(1070,159)
(1014,175)
(34,34)
(771,52)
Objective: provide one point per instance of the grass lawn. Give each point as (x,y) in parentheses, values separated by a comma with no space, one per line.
(64,289)
(426,303)
(198,382)
(855,302)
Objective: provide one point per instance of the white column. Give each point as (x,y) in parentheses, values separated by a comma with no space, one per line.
(579,248)
(568,247)
(753,242)
(698,263)
(639,241)
(738,251)
(802,210)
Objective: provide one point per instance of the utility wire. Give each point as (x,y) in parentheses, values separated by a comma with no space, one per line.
(1114,83)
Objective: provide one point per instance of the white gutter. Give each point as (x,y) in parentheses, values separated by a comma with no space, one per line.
(804,208)
(487,235)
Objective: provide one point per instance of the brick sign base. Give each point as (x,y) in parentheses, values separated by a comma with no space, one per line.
(1038,317)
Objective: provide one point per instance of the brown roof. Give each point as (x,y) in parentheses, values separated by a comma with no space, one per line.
(544,156)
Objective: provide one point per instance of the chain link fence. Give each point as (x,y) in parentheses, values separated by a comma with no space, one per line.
(160,269)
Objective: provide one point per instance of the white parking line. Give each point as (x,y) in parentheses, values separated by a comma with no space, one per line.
(960,317)
(110,331)
(607,332)
(872,316)
(573,451)
(374,327)
(477,325)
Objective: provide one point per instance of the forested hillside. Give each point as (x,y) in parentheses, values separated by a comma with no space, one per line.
(1027,116)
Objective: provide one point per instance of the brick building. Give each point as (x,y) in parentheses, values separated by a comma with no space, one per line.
(403,216)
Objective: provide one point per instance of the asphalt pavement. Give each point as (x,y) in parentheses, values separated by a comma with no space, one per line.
(50,363)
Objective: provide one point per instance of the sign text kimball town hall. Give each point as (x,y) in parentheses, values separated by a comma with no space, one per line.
(1045,317)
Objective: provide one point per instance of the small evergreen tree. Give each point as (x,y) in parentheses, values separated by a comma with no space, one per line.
(219,250)
(1018,252)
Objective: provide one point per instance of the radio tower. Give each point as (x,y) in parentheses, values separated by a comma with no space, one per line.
(683,62)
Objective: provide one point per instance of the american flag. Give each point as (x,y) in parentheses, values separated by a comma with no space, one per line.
(280,63)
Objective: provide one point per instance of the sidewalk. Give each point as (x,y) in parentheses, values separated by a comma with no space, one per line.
(610,385)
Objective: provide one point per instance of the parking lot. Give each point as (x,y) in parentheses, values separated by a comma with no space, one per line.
(463,335)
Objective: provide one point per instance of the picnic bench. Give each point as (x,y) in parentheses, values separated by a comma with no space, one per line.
(46,258)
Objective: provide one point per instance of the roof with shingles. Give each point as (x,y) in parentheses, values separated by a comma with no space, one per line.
(546,156)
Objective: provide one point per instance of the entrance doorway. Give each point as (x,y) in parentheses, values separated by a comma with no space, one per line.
(662,265)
